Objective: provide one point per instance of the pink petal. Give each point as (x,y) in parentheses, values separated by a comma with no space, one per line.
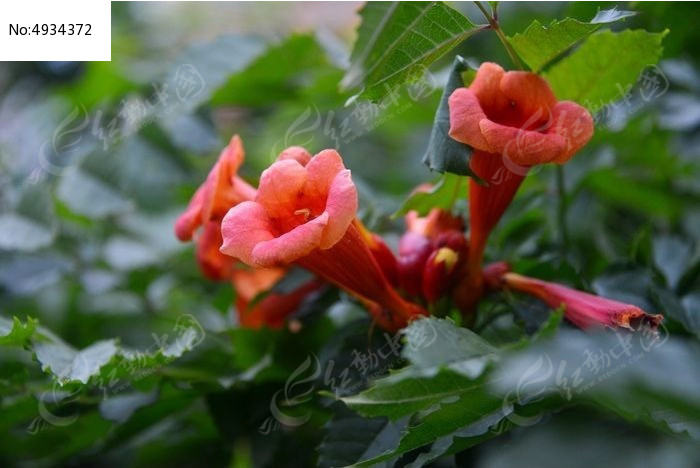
(191,218)
(322,170)
(341,208)
(280,186)
(243,228)
(296,153)
(575,124)
(465,115)
(232,157)
(486,87)
(213,264)
(291,245)
(523,147)
(530,94)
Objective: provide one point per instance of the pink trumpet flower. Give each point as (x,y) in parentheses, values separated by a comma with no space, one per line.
(306,214)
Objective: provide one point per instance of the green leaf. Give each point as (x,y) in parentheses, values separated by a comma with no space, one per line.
(647,200)
(433,342)
(15,333)
(541,44)
(87,195)
(351,438)
(440,404)
(443,195)
(605,65)
(278,75)
(673,255)
(109,365)
(643,376)
(23,234)
(445,154)
(397,41)
(214,62)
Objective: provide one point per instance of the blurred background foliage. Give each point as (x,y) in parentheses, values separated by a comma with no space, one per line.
(97,159)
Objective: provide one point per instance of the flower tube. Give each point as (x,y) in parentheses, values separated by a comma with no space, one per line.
(583,309)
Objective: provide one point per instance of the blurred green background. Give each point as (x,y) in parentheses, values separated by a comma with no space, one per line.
(97,160)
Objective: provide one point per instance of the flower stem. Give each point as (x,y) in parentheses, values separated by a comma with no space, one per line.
(561,207)
(493,22)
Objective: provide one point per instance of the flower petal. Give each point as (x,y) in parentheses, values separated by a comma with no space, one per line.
(341,208)
(465,115)
(280,186)
(530,96)
(296,153)
(575,124)
(322,170)
(191,218)
(523,147)
(291,245)
(214,264)
(486,88)
(220,193)
(243,228)
(249,282)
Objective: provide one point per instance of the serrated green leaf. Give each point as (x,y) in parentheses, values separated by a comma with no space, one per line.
(109,365)
(605,64)
(397,41)
(15,333)
(540,44)
(445,154)
(443,195)
(439,405)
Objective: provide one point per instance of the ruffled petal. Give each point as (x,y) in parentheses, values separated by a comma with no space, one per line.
(220,192)
(191,218)
(243,228)
(248,283)
(523,147)
(341,208)
(465,115)
(322,170)
(291,245)
(280,186)
(296,153)
(530,96)
(575,124)
(214,264)
(486,87)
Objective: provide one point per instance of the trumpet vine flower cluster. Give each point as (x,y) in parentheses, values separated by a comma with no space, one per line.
(303,213)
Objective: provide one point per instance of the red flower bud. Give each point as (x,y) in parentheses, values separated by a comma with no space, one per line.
(583,309)
(438,273)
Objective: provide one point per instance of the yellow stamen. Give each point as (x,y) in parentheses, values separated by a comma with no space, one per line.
(447,256)
(304,212)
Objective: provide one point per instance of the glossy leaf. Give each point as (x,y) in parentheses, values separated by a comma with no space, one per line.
(397,41)
(539,44)
(445,154)
(443,195)
(607,64)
